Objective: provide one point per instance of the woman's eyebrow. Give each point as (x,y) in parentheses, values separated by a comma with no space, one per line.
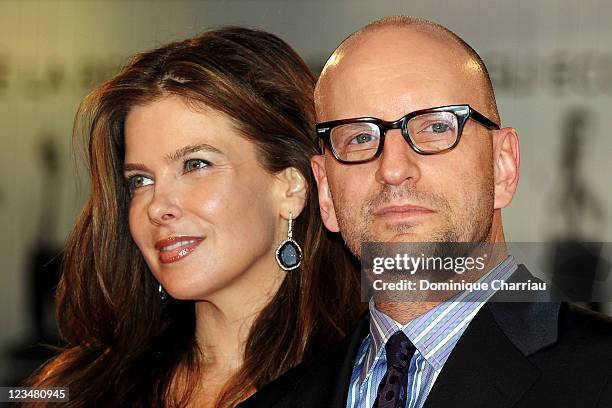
(174,156)
(135,167)
(184,151)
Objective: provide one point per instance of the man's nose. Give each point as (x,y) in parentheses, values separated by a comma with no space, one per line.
(398,162)
(164,206)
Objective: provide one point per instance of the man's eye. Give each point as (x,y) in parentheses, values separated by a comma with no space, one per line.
(137,181)
(362,138)
(438,127)
(195,164)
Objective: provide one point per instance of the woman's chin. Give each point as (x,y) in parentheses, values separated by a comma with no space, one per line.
(189,291)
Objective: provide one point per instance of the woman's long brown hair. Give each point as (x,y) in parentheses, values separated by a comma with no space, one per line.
(124,346)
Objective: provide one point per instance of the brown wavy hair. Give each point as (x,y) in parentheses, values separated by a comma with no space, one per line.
(125,347)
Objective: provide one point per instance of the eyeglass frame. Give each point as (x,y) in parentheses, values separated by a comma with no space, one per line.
(461,112)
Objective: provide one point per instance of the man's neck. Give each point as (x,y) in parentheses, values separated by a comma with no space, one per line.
(405,312)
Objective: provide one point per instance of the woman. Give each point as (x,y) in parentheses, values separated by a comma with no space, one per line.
(198,270)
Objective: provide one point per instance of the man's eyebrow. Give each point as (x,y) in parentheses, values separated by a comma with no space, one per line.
(174,156)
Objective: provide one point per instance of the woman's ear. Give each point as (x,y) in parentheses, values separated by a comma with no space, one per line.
(294,190)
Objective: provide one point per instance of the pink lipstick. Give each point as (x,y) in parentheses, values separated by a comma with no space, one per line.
(175,248)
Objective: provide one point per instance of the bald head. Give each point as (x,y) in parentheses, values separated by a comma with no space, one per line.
(399,48)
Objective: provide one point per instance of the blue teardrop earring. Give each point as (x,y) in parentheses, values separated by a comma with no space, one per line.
(289,253)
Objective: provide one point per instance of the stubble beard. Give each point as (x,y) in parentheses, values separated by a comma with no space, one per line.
(474,225)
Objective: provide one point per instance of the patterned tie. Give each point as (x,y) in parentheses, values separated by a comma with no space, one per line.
(392,388)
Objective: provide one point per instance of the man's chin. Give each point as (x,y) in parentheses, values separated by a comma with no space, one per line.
(413,234)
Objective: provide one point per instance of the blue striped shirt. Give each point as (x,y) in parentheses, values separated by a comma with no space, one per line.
(434,335)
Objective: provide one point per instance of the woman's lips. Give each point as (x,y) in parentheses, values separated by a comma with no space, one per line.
(176,248)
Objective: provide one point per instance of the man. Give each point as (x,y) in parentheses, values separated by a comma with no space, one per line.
(432,165)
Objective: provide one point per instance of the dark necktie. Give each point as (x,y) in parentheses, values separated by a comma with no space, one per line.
(392,388)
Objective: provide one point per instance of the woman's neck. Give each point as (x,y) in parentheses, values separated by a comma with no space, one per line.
(221,336)
(224,321)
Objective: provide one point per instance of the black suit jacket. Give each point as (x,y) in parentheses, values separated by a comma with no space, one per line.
(511,355)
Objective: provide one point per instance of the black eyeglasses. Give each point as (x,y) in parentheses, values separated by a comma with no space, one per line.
(427,131)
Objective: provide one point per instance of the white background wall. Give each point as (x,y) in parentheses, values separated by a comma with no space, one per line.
(53,52)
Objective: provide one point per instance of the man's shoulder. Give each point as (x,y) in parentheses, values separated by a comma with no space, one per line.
(577,320)
(555,327)
(529,355)
(585,334)
(577,369)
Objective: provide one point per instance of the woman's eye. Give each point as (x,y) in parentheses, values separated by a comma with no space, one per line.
(195,164)
(137,181)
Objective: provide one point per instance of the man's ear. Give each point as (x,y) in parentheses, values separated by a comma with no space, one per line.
(326,204)
(293,191)
(506,163)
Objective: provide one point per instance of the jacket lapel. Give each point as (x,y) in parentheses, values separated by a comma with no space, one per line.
(340,393)
(484,369)
(487,368)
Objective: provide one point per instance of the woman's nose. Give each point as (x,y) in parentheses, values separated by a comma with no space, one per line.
(165,205)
